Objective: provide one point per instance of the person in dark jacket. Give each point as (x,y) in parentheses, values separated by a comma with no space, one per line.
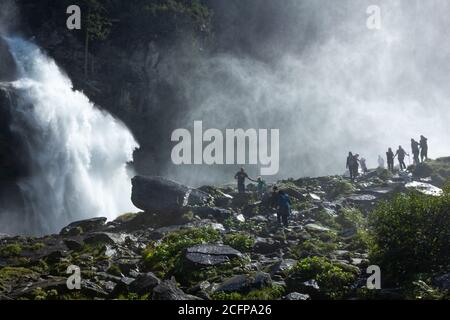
(240,177)
(390,159)
(401,153)
(423,148)
(415,151)
(284,208)
(350,164)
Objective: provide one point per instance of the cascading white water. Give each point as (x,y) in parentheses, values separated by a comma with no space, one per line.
(79,154)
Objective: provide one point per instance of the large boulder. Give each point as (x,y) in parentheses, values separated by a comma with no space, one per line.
(245,283)
(206,255)
(169,291)
(158,194)
(144,283)
(424,188)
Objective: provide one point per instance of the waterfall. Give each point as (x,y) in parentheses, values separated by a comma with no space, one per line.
(78,153)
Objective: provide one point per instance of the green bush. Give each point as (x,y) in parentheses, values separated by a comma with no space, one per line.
(411,235)
(272,293)
(341,188)
(350,218)
(239,241)
(11,250)
(334,279)
(161,256)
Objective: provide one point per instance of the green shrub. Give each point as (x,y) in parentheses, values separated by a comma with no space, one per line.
(341,188)
(384,174)
(334,279)
(10,275)
(314,247)
(420,290)
(350,218)
(360,241)
(161,256)
(11,250)
(272,293)
(411,235)
(239,241)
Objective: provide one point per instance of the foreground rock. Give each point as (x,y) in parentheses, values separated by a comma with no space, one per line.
(206,255)
(158,194)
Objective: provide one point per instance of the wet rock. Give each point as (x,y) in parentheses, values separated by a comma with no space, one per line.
(316,227)
(282,267)
(266,245)
(73,244)
(424,188)
(245,283)
(309,287)
(158,194)
(79,227)
(205,255)
(55,256)
(218,214)
(104,238)
(144,284)
(295,296)
(28,288)
(92,289)
(362,198)
(168,290)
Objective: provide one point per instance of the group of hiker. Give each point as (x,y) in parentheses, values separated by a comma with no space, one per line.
(280,201)
(354,163)
(418,149)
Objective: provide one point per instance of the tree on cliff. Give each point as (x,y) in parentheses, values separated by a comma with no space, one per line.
(98,27)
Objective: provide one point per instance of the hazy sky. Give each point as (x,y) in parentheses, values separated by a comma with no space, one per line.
(315,71)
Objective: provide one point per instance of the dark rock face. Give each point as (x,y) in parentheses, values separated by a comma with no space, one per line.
(211,212)
(8,68)
(210,255)
(104,238)
(442,282)
(168,290)
(245,283)
(158,194)
(144,283)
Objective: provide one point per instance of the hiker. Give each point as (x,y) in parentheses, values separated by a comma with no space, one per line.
(401,153)
(350,164)
(261,187)
(274,197)
(284,208)
(241,176)
(390,160)
(415,151)
(423,148)
(363,164)
(380,162)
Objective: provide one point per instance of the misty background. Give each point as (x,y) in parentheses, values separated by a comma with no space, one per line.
(309,68)
(315,71)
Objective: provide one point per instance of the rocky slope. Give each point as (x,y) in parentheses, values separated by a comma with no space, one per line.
(213,243)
